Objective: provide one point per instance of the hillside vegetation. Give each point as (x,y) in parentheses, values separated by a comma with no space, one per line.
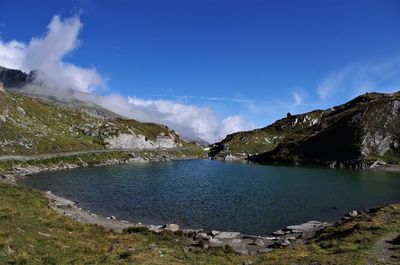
(31,126)
(357,134)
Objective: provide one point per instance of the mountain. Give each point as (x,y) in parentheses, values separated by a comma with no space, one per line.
(30,126)
(362,132)
(22,83)
(31,123)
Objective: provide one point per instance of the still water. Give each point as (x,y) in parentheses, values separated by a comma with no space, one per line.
(210,194)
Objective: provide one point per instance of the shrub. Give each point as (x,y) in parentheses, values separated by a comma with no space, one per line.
(136,229)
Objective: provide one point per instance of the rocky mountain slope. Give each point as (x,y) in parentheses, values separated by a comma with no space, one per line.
(22,83)
(31,123)
(30,126)
(362,132)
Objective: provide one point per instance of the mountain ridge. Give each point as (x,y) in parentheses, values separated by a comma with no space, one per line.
(357,134)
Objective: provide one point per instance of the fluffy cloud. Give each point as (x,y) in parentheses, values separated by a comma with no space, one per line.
(46,54)
(12,54)
(59,78)
(192,120)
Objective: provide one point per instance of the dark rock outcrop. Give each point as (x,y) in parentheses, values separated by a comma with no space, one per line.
(12,78)
(355,134)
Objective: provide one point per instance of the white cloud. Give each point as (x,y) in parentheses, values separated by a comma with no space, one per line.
(12,54)
(298,99)
(59,78)
(188,119)
(354,79)
(46,54)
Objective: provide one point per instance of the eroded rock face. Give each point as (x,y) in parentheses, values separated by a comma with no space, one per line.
(138,141)
(381,129)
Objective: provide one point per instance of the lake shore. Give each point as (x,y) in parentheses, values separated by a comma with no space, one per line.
(240,243)
(14,168)
(204,239)
(341,237)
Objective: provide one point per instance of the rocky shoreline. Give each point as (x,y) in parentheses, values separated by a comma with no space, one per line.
(19,172)
(357,165)
(195,239)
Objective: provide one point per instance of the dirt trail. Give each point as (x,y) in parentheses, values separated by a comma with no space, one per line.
(73,153)
(385,252)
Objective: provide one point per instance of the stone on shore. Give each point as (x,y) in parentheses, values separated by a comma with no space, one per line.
(228,235)
(172,227)
(258,242)
(279,232)
(214,242)
(353,213)
(215,232)
(309,226)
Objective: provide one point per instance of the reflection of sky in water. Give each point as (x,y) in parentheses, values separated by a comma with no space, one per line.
(227,196)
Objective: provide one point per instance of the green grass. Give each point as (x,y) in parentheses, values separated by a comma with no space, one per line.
(32,233)
(46,128)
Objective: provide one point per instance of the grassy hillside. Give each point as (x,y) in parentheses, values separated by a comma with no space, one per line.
(35,234)
(357,132)
(31,126)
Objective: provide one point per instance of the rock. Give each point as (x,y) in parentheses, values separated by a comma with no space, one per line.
(278,232)
(309,226)
(139,141)
(259,242)
(353,214)
(44,234)
(214,232)
(12,78)
(214,242)
(377,164)
(2,119)
(231,158)
(285,242)
(264,250)
(172,227)
(21,110)
(236,241)
(243,252)
(228,235)
(202,235)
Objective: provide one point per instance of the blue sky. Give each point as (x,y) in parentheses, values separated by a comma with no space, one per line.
(252,59)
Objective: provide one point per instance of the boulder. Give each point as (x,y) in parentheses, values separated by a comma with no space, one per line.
(309,226)
(214,232)
(279,232)
(214,242)
(353,214)
(285,242)
(21,110)
(172,227)
(228,235)
(259,242)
